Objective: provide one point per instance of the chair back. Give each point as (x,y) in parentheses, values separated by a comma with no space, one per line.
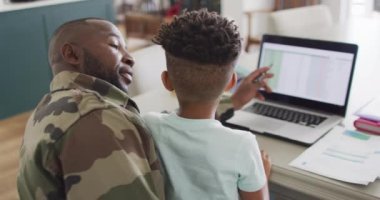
(309,21)
(150,62)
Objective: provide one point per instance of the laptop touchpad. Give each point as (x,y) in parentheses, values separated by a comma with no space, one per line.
(262,124)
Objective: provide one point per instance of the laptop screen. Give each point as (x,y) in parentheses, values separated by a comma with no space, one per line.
(307,72)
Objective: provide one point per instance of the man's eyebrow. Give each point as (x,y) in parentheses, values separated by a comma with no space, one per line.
(117,36)
(114,35)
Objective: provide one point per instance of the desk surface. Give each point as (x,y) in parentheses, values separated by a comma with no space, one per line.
(282,153)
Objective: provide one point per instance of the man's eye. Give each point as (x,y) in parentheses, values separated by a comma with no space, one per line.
(114,46)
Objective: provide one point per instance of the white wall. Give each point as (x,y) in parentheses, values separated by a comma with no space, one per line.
(233,9)
(340,9)
(257,4)
(370,5)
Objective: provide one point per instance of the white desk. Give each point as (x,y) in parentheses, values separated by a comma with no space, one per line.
(284,178)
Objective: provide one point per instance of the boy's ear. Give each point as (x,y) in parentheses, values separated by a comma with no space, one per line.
(166,81)
(232,82)
(71,54)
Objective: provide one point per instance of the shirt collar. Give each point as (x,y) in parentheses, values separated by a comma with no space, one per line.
(66,80)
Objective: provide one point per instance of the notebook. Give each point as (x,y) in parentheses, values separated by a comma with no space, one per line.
(311,86)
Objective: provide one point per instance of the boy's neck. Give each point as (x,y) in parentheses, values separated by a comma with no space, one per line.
(199,110)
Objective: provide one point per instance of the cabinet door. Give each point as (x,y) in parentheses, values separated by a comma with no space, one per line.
(24,70)
(57,15)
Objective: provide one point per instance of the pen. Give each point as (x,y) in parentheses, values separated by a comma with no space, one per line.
(261,76)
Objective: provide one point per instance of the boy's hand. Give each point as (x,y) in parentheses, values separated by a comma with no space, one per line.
(249,87)
(267,163)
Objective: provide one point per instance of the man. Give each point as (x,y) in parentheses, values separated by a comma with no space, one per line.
(85,139)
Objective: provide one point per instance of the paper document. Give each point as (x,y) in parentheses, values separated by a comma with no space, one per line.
(371,110)
(345,155)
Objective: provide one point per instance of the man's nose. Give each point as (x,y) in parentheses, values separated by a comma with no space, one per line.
(127,59)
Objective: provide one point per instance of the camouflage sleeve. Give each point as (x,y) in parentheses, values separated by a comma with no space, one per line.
(106,156)
(225,108)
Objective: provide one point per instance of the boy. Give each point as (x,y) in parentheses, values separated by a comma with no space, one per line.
(202,158)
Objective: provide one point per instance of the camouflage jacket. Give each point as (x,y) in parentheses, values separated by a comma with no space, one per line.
(85,140)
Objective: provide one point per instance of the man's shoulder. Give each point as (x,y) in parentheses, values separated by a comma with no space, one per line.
(121,139)
(61,109)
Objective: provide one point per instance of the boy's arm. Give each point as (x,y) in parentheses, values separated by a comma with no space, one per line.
(249,88)
(253,169)
(246,91)
(267,164)
(263,193)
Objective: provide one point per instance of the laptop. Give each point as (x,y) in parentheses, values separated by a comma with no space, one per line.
(311,86)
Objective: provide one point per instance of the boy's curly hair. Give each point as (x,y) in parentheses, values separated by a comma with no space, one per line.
(201,49)
(201,36)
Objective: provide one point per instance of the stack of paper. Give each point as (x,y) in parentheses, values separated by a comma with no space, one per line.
(345,155)
(370,110)
(369,120)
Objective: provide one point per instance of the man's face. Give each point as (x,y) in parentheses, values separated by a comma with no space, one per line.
(105,56)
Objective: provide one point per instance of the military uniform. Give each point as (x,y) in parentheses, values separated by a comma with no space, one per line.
(85,140)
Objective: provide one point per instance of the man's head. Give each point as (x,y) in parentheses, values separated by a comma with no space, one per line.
(201,50)
(94,47)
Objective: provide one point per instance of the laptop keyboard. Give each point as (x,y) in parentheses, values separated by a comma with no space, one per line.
(296,117)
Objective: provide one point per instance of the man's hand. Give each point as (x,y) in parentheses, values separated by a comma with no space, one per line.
(249,87)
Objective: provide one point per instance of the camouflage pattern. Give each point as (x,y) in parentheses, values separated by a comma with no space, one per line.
(85,140)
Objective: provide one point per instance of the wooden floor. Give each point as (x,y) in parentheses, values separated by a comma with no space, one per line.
(11,132)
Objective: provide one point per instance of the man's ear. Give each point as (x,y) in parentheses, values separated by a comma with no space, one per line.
(232,82)
(166,81)
(71,54)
